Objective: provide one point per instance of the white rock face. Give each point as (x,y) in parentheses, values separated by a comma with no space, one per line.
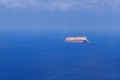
(77,39)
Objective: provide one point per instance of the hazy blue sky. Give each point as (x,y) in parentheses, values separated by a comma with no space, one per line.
(60,15)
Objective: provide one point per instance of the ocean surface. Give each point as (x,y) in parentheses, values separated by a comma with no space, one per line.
(48,57)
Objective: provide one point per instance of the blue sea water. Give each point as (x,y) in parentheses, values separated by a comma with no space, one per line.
(48,57)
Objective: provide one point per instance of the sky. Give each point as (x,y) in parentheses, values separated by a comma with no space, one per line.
(60,15)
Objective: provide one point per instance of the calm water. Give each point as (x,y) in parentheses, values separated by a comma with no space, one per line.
(48,57)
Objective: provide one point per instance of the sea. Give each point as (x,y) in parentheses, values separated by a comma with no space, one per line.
(46,56)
